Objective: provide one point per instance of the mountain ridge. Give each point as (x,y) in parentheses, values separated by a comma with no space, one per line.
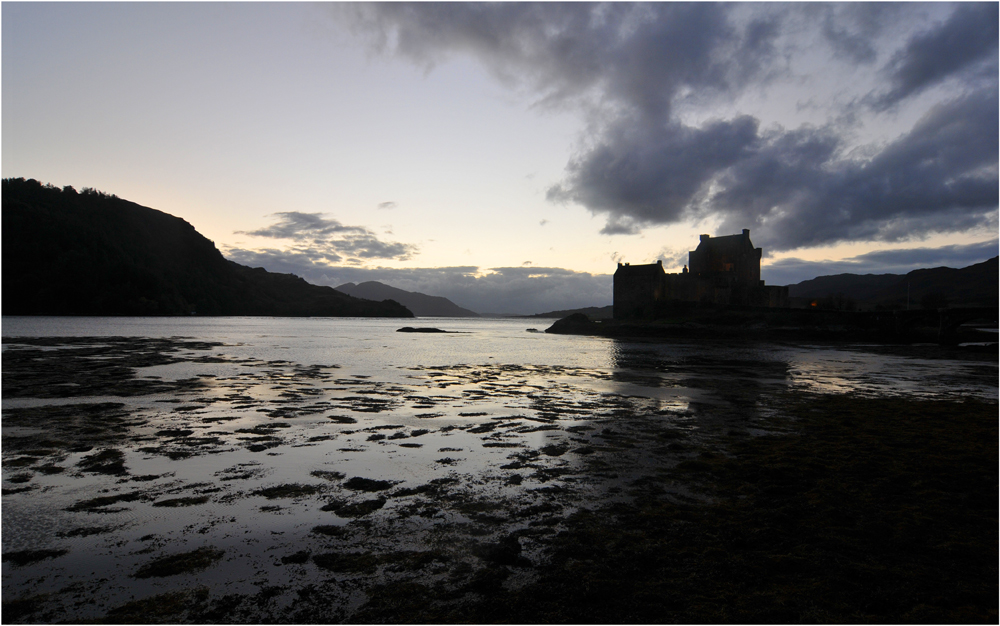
(422,305)
(90,253)
(973,285)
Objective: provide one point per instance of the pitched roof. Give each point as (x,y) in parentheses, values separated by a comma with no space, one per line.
(650,269)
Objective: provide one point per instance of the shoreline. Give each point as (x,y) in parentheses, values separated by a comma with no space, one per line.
(794,325)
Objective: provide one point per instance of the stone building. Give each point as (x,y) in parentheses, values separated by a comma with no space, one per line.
(722,271)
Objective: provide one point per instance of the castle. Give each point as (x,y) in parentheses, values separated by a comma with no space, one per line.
(721,271)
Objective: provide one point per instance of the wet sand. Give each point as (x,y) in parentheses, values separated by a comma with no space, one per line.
(167,480)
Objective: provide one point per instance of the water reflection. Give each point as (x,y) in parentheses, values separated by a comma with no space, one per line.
(719,379)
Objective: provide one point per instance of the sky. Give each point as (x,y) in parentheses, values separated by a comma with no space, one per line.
(507,156)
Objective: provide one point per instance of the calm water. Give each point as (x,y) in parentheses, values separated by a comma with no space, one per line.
(371,347)
(490,415)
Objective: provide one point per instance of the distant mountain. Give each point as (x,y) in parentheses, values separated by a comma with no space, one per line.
(975,285)
(592,312)
(89,253)
(422,305)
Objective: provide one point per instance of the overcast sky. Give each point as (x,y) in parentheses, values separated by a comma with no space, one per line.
(507,156)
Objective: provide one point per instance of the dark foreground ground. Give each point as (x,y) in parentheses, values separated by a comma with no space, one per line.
(870,511)
(865,510)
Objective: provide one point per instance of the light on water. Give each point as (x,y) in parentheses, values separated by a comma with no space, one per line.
(281,440)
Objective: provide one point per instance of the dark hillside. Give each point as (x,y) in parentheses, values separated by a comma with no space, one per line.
(421,304)
(975,285)
(89,253)
(592,312)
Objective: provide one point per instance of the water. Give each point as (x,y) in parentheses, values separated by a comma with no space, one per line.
(241,435)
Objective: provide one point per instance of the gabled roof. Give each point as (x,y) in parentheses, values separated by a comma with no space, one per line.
(650,269)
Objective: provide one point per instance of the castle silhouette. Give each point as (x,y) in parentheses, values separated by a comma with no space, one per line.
(721,271)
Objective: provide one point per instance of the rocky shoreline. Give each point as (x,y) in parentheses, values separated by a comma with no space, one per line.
(892,327)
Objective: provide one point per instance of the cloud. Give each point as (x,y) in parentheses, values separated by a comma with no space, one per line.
(504,290)
(966,41)
(789,271)
(328,241)
(293,225)
(796,190)
(645,173)
(387,205)
(664,143)
(850,30)
(673,258)
(638,54)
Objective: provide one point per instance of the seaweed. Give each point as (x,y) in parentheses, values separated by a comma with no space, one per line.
(287,491)
(176,502)
(182,563)
(328,475)
(97,505)
(107,461)
(25,557)
(359,509)
(367,484)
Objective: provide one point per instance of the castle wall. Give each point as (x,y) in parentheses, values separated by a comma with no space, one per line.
(637,289)
(723,271)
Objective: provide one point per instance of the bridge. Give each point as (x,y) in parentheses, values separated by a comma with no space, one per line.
(946,321)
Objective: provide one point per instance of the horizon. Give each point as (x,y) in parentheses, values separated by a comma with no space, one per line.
(460,151)
(540,309)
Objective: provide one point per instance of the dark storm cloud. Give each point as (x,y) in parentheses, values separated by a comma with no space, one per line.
(507,290)
(942,176)
(327,240)
(791,271)
(965,42)
(644,174)
(795,188)
(628,67)
(638,55)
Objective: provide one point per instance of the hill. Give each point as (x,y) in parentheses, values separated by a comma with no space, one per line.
(422,305)
(89,253)
(975,285)
(592,312)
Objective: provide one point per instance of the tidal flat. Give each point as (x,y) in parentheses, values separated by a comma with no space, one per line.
(183,479)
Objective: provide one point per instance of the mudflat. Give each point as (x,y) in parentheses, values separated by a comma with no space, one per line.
(180,480)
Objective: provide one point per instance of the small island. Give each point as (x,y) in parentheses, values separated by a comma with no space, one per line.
(425,329)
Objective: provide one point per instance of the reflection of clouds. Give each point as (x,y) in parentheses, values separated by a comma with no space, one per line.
(870,374)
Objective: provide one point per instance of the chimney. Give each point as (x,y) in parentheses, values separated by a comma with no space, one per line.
(746,232)
(706,237)
(659,262)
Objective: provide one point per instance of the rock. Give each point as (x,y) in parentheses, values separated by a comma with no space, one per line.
(577,323)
